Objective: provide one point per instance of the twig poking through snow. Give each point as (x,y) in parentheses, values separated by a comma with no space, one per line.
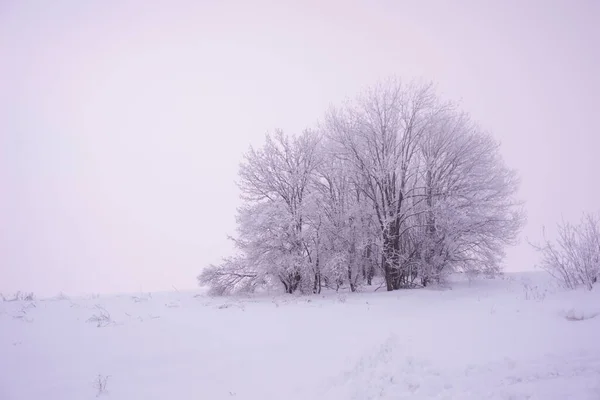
(20,296)
(578,315)
(61,296)
(173,304)
(101,319)
(379,287)
(100,384)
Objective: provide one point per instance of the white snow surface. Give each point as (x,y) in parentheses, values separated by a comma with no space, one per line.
(512,337)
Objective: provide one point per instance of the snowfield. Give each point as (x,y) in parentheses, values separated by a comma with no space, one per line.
(513,337)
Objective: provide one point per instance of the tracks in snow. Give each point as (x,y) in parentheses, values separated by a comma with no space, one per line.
(388,373)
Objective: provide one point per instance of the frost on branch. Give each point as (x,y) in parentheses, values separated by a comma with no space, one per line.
(229,277)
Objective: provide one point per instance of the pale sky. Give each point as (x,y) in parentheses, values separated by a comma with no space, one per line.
(122,123)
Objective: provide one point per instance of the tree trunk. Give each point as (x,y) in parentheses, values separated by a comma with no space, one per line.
(351,278)
(386,272)
(368,269)
(285,285)
(317,283)
(391,249)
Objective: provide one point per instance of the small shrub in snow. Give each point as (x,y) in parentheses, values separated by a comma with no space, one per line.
(533,292)
(100,384)
(574,259)
(101,318)
(139,299)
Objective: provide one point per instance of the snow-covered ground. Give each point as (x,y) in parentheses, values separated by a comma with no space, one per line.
(516,337)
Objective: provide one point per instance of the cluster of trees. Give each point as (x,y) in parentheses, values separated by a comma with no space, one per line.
(395,183)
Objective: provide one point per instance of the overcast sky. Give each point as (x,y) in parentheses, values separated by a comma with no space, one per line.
(122,123)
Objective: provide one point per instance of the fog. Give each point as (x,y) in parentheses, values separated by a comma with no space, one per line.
(122,124)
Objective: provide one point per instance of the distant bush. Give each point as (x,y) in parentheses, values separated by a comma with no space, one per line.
(20,296)
(574,258)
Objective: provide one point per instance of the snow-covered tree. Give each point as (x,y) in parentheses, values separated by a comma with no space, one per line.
(378,135)
(470,211)
(346,224)
(275,182)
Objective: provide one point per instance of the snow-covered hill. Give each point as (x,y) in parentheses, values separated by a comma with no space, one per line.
(515,337)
